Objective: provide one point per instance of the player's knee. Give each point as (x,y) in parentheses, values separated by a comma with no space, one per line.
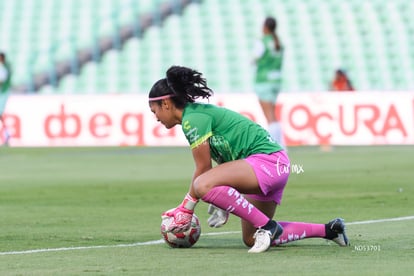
(248,231)
(248,241)
(200,186)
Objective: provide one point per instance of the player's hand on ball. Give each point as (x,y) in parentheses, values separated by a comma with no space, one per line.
(182,219)
(218,216)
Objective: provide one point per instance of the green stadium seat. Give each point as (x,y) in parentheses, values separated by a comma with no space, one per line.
(371,39)
(30,29)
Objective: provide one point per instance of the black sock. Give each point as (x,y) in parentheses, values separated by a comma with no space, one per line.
(329,233)
(269,225)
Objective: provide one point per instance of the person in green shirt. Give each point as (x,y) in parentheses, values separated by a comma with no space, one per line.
(251,169)
(5,82)
(268,58)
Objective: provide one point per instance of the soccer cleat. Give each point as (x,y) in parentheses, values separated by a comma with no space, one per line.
(264,236)
(335,231)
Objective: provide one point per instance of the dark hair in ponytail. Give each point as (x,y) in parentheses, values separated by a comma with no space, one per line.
(270,23)
(185,85)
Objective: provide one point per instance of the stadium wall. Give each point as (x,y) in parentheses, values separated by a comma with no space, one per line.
(362,118)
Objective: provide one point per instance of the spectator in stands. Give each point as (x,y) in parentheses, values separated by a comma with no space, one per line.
(341,82)
(5,81)
(268,57)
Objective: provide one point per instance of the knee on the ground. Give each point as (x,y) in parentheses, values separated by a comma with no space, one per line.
(248,241)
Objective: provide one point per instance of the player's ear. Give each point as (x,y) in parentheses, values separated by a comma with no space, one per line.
(165,103)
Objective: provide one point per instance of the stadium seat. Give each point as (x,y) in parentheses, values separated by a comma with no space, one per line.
(370,39)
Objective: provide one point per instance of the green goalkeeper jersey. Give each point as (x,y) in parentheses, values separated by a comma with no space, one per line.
(231,135)
(4,87)
(269,64)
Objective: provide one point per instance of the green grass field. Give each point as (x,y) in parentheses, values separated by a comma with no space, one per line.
(96,211)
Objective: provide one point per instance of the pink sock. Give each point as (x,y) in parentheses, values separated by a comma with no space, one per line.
(227,198)
(293,231)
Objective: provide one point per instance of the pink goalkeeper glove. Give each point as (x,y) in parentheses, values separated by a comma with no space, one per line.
(182,215)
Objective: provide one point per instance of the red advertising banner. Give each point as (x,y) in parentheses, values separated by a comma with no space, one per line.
(348,118)
(125,120)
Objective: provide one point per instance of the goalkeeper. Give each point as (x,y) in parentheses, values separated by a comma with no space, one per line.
(252,169)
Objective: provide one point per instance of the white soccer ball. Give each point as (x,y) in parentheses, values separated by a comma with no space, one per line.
(184,239)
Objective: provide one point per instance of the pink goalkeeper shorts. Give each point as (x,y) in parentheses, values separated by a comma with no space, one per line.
(272,172)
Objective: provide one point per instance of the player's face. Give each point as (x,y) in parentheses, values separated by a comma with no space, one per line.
(163,114)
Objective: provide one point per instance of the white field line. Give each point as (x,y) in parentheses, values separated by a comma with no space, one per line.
(161,241)
(380,220)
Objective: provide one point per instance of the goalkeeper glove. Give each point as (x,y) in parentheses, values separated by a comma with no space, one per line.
(218,216)
(182,215)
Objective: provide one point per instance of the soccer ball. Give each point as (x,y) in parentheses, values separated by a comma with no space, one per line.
(184,239)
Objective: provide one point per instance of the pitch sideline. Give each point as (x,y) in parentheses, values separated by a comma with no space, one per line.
(161,241)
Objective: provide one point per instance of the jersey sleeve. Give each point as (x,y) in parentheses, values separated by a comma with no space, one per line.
(197,128)
(258,49)
(3,74)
